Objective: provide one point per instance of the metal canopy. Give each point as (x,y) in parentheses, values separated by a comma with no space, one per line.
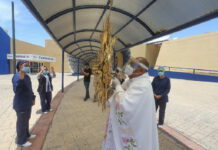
(76,24)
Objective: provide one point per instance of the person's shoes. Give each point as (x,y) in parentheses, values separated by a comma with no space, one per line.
(27,144)
(160,126)
(50,110)
(45,112)
(85,99)
(32,136)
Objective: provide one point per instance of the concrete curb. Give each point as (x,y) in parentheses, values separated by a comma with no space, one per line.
(181,139)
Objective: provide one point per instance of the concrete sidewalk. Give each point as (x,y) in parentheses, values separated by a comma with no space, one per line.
(77,125)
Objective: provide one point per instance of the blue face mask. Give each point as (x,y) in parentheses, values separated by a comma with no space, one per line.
(26,69)
(160,74)
(45,72)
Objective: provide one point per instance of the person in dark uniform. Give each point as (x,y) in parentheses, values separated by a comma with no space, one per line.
(23,101)
(45,88)
(87,74)
(161,88)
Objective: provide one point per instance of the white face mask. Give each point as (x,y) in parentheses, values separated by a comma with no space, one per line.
(128,70)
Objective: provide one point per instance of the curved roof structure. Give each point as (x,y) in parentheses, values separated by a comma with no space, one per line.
(76,24)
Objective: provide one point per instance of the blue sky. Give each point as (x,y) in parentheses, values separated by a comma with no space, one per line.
(28,29)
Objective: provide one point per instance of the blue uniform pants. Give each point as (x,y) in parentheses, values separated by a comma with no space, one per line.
(45,101)
(22,126)
(162,108)
(87,89)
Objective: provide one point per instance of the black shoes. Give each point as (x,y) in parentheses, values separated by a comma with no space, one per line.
(86,98)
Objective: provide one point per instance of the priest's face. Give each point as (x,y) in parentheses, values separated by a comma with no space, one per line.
(138,71)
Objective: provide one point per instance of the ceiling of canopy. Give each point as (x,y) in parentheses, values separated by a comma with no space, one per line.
(76,25)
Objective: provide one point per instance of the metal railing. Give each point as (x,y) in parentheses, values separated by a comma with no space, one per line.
(189,70)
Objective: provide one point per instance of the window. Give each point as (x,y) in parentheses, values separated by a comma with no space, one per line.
(35,67)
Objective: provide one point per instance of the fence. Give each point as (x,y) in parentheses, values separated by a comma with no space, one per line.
(188,73)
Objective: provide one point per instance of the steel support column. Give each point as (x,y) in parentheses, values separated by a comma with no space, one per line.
(78,70)
(13,35)
(114,67)
(62,85)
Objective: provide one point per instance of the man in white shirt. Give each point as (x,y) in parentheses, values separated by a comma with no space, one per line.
(45,88)
(131,123)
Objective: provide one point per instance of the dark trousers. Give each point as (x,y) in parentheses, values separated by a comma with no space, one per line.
(87,89)
(162,108)
(45,101)
(22,126)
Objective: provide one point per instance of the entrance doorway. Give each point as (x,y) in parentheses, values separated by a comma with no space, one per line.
(35,67)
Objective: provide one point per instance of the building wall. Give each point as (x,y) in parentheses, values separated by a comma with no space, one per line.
(138,51)
(199,51)
(151,53)
(51,49)
(4,50)
(119,61)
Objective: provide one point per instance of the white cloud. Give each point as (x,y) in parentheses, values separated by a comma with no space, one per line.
(5,12)
(21,13)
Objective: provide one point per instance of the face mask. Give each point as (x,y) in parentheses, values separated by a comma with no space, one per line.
(160,74)
(26,69)
(45,72)
(128,70)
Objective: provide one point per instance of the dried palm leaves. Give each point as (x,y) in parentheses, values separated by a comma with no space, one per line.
(103,73)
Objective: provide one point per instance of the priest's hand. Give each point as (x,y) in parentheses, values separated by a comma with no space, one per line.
(115,83)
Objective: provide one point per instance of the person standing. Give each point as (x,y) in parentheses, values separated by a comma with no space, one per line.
(87,74)
(45,88)
(131,123)
(23,101)
(161,88)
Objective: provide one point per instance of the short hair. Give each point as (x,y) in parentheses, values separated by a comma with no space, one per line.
(87,64)
(143,61)
(19,63)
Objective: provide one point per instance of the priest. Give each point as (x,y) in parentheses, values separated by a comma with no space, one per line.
(131,123)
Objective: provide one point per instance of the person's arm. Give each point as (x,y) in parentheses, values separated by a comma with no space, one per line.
(167,89)
(153,87)
(40,72)
(84,73)
(53,72)
(18,83)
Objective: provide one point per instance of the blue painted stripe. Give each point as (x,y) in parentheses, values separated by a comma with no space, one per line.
(186,76)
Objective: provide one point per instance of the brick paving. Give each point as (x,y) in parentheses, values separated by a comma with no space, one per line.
(193,111)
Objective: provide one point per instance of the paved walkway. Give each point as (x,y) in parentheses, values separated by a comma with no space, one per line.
(77,125)
(192,111)
(8,115)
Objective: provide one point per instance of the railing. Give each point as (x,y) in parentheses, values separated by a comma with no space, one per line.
(190,70)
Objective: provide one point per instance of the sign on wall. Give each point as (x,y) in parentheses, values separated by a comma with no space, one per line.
(32,57)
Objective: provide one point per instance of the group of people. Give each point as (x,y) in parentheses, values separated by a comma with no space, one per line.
(131,122)
(24,98)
